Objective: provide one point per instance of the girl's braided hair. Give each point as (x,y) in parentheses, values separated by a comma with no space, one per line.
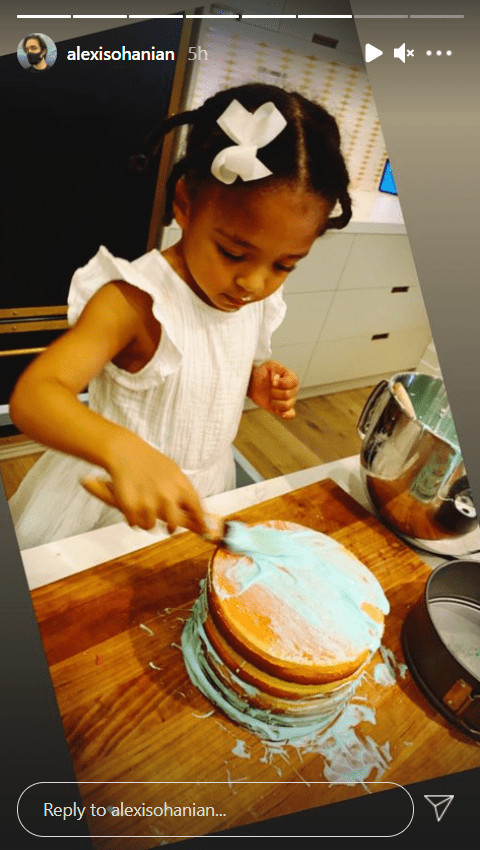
(306,152)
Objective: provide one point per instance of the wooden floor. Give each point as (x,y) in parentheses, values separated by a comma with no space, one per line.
(325,429)
(13,469)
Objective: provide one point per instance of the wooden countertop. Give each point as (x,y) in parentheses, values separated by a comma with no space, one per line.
(112,634)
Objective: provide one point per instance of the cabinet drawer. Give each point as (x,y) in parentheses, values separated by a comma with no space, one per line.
(379,260)
(322,268)
(343,360)
(306,314)
(357,312)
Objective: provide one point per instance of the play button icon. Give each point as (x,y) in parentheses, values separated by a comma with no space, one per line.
(372,52)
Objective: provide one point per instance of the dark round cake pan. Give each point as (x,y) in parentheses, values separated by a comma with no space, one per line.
(441,643)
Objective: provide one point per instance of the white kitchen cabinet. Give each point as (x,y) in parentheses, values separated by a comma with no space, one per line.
(324,265)
(379,260)
(375,322)
(336,360)
(356,312)
(306,315)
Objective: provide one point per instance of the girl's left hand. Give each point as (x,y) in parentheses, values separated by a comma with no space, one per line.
(275,388)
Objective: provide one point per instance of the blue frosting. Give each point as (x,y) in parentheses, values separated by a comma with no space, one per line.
(323,583)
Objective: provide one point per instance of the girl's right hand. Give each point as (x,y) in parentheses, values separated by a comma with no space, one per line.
(145,486)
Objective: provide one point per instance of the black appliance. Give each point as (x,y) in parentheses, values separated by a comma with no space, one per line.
(67,136)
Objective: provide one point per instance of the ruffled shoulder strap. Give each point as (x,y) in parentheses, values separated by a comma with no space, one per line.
(102,269)
(274,309)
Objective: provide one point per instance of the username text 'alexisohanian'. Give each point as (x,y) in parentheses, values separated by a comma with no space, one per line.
(120,55)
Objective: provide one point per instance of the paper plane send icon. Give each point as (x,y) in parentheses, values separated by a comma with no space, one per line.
(440,803)
(372,52)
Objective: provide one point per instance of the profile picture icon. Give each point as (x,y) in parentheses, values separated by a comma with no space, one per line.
(37,52)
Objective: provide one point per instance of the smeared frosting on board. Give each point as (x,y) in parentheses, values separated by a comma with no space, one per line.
(266,724)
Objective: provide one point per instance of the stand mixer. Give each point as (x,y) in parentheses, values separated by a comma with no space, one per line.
(412,467)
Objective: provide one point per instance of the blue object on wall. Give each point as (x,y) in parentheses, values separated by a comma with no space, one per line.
(387,183)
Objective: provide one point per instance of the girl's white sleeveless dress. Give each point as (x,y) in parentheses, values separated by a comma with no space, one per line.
(187,400)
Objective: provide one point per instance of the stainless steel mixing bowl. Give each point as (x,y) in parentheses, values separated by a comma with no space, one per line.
(411,463)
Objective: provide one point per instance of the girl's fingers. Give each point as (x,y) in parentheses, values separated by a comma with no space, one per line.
(282,406)
(183,510)
(141,517)
(284,388)
(171,514)
(146,518)
(286,414)
(172,517)
(289,383)
(282,378)
(194,514)
(285,409)
(187,512)
(283,395)
(100,488)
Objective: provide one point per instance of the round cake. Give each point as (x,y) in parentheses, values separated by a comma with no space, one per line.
(285,623)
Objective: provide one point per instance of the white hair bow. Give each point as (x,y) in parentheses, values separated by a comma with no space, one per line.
(250,132)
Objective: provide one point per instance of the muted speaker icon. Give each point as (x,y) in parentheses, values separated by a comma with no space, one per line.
(399,53)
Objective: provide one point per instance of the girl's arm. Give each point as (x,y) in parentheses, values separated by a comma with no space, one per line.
(145,485)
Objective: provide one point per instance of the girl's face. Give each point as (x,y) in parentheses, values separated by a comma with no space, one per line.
(239,246)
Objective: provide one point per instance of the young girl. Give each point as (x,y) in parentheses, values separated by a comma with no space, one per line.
(170,344)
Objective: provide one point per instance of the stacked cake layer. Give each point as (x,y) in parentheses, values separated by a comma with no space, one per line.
(285,623)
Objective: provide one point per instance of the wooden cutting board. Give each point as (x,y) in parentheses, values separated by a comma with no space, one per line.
(112,635)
